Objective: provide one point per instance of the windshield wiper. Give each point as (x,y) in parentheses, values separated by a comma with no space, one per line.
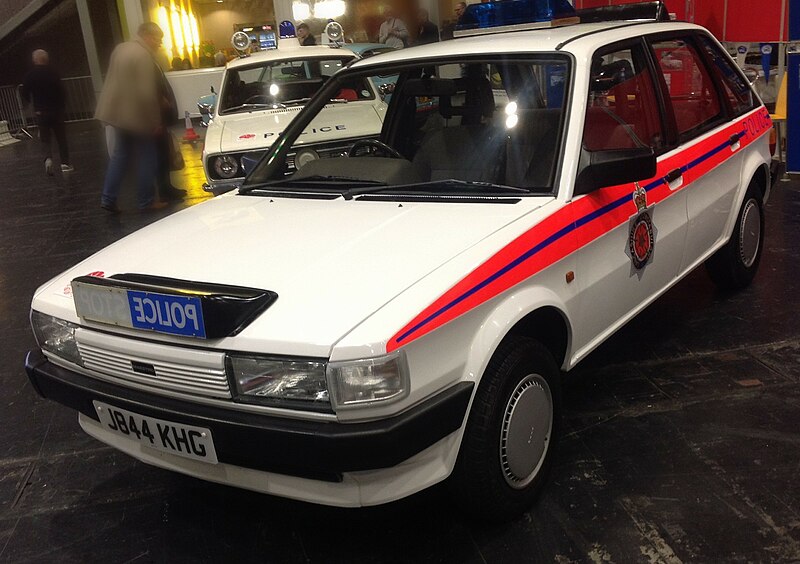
(245,107)
(452,185)
(295,101)
(314,180)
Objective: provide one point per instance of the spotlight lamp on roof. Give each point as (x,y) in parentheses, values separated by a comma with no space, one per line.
(335,33)
(241,42)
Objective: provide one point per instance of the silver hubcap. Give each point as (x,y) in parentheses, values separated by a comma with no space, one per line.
(749,233)
(525,434)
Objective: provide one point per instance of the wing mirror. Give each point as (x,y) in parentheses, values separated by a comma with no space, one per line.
(600,169)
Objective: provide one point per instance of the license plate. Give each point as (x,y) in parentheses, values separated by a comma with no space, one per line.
(151,311)
(182,440)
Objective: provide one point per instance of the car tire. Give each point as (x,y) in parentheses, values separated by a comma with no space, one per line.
(507,451)
(734,266)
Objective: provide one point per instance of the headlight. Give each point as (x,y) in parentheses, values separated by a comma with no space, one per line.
(226,166)
(55,336)
(272,379)
(375,380)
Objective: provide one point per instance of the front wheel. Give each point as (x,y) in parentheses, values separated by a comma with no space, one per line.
(509,442)
(734,266)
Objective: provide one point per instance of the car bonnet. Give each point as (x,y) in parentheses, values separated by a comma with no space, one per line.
(332,263)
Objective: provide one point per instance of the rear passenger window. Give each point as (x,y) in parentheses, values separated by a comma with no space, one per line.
(694,97)
(736,89)
(623,111)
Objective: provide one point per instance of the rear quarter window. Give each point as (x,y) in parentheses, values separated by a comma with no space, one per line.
(738,92)
(690,87)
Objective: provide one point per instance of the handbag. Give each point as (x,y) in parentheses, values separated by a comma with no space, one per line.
(176,161)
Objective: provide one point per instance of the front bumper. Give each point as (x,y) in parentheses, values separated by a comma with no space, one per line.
(307,449)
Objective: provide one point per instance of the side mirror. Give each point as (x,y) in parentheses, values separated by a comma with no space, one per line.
(600,169)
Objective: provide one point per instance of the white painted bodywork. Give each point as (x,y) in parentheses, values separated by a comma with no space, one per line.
(350,274)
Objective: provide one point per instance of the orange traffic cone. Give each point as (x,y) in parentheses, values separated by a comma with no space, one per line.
(190,135)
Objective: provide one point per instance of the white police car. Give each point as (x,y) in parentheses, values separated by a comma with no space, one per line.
(366,327)
(262,92)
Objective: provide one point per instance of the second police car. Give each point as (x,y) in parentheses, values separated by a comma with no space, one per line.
(263,91)
(364,327)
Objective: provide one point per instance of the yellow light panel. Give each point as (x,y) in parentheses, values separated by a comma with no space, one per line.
(177,32)
(187,31)
(195,31)
(163,23)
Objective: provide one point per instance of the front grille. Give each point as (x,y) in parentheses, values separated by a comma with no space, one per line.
(184,371)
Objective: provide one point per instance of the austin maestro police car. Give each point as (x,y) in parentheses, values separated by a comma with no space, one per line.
(261,93)
(362,328)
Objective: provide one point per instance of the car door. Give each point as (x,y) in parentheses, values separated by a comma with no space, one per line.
(631,236)
(709,166)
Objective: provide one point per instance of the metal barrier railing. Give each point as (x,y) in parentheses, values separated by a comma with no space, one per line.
(80,103)
(80,96)
(11,108)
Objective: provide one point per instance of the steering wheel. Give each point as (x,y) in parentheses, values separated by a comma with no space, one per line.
(257,99)
(375,145)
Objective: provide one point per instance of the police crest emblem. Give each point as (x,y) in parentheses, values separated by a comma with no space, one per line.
(641,239)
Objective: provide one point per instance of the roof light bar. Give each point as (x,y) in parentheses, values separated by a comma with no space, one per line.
(508,15)
(639,11)
(518,15)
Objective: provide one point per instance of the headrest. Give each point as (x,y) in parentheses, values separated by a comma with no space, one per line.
(606,77)
(429,86)
(478,100)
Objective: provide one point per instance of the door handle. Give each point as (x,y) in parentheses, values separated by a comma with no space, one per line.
(673,175)
(734,139)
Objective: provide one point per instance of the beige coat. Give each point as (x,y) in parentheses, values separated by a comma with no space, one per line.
(130,96)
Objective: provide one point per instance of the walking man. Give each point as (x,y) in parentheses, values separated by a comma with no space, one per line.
(43,86)
(132,103)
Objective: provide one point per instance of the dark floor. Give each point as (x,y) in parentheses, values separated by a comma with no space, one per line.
(682,444)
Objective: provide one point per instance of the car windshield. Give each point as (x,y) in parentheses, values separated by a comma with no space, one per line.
(456,128)
(285,83)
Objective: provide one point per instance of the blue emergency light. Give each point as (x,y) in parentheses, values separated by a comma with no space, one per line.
(506,13)
(286,30)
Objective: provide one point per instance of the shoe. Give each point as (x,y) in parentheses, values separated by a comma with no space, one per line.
(172,194)
(111,208)
(157,205)
(67,168)
(48,166)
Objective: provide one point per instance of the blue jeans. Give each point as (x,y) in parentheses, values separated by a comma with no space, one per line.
(126,146)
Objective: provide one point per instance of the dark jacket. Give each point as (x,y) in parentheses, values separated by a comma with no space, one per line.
(427,33)
(169,114)
(42,85)
(309,40)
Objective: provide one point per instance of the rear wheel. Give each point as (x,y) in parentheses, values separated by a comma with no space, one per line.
(734,266)
(509,442)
